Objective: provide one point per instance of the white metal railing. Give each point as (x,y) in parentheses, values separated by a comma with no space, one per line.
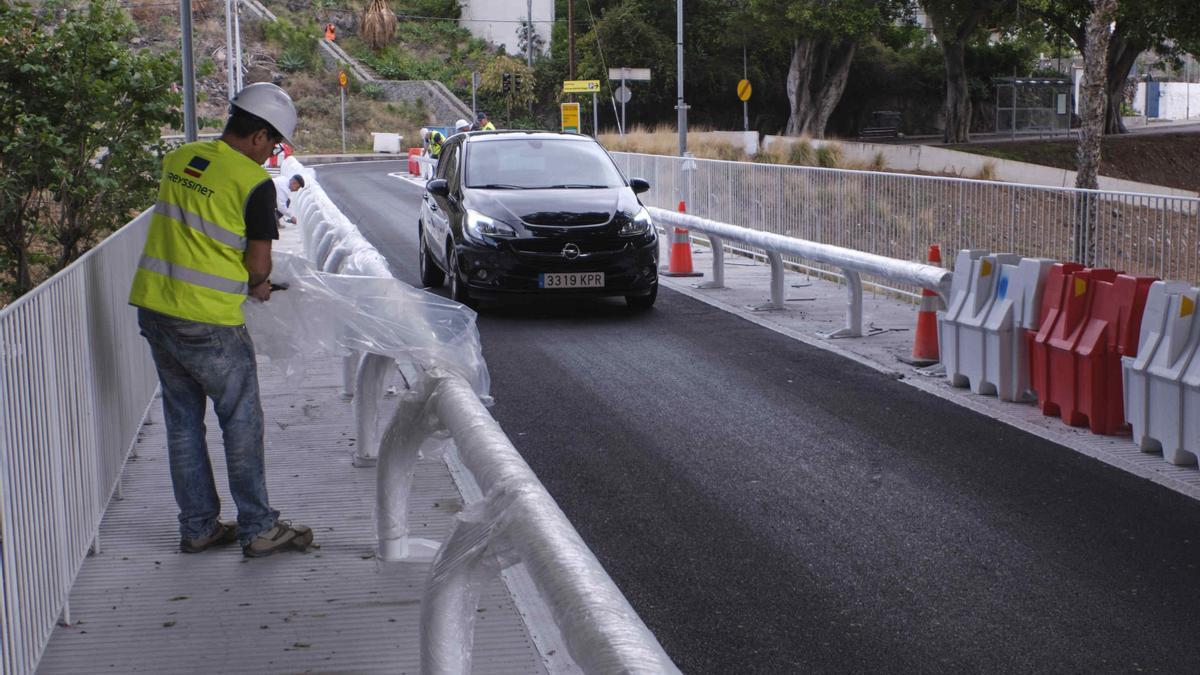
(851,263)
(76,382)
(602,631)
(899,215)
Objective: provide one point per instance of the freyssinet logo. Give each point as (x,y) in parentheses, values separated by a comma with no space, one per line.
(570,252)
(196,167)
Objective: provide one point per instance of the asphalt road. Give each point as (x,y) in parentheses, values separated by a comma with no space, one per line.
(768,507)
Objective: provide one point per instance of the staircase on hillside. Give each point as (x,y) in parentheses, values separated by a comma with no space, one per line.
(441,103)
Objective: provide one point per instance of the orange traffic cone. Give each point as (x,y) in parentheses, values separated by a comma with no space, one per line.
(681,252)
(925,346)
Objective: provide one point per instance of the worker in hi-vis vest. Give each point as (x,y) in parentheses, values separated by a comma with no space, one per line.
(209,247)
(482,123)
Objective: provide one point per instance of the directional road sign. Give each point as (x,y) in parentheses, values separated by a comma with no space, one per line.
(570,117)
(581,86)
(629,74)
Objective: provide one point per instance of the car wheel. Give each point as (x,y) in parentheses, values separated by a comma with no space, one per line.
(641,303)
(431,275)
(458,288)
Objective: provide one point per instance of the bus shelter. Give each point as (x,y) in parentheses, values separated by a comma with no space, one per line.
(1033,105)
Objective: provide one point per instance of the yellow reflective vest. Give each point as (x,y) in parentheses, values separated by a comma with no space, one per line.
(488,127)
(435,144)
(192,266)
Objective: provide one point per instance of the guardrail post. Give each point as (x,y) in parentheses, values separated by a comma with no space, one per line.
(448,609)
(350,363)
(399,451)
(367,389)
(853,308)
(718,263)
(777,299)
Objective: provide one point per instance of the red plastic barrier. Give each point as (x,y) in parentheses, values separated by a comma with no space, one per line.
(1090,319)
(414,167)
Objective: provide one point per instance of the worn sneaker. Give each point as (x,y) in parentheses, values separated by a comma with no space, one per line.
(226,533)
(282,537)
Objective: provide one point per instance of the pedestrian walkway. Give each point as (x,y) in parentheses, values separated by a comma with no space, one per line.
(142,606)
(815,306)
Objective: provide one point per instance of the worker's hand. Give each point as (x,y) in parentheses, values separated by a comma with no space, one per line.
(262,291)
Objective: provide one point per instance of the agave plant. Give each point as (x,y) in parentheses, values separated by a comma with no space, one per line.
(378,25)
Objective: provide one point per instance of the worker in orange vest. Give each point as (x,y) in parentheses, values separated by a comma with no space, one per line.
(329,34)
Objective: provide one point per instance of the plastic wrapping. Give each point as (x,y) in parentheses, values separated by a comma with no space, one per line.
(519,520)
(322,314)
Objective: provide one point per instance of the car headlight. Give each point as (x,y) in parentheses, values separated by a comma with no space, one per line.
(638,223)
(479,226)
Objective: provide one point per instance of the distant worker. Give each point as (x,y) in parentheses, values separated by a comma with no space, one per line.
(329,32)
(207,248)
(434,143)
(482,123)
(462,126)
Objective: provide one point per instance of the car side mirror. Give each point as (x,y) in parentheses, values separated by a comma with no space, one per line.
(638,185)
(438,187)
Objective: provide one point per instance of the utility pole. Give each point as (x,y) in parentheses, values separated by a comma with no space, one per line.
(190,133)
(529,33)
(230,82)
(680,105)
(571,39)
(237,42)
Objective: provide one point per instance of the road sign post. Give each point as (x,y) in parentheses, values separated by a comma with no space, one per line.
(623,94)
(743,91)
(342,88)
(570,117)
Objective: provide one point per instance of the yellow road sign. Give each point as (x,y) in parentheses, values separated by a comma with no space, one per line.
(581,86)
(342,78)
(744,90)
(570,117)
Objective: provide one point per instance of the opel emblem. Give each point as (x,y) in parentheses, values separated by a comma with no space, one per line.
(570,251)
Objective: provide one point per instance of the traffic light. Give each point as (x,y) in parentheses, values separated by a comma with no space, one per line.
(517,82)
(505,82)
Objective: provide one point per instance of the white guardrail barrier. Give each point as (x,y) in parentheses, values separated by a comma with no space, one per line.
(76,382)
(853,264)
(516,521)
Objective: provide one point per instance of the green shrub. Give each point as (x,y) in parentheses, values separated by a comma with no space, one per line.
(800,153)
(829,156)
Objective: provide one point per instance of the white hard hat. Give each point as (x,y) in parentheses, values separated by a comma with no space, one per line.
(462,124)
(424,133)
(271,103)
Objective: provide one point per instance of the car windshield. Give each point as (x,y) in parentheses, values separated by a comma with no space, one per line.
(533,163)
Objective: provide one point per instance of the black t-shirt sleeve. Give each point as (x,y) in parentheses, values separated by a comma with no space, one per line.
(261,221)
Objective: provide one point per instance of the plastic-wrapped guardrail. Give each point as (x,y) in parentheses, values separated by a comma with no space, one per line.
(365,309)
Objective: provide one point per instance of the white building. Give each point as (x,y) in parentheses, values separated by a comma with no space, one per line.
(498,21)
(1176,100)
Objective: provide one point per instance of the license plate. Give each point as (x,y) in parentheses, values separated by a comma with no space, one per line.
(571,280)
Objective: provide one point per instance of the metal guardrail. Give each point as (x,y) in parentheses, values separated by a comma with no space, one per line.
(602,631)
(899,215)
(850,262)
(76,382)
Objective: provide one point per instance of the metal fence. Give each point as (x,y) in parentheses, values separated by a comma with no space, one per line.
(900,215)
(75,384)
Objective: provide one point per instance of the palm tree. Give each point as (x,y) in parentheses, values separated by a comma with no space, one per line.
(378,25)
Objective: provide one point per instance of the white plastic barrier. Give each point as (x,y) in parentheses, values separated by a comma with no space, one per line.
(386,142)
(1162,383)
(994,300)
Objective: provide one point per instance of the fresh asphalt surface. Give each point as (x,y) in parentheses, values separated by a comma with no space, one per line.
(768,507)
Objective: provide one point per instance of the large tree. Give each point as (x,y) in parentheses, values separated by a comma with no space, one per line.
(1087,174)
(955,24)
(81,116)
(821,37)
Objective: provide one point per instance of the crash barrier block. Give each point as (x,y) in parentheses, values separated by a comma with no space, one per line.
(1090,319)
(414,167)
(994,300)
(1162,383)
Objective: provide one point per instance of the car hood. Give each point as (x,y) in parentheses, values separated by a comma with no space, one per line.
(557,207)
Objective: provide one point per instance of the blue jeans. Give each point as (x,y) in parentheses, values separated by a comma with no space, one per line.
(198,361)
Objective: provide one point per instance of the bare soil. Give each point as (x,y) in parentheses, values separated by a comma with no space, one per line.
(1171,160)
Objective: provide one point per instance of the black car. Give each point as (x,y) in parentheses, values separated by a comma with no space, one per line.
(513,213)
